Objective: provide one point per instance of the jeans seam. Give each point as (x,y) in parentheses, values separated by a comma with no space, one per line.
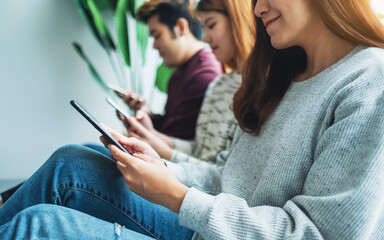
(102,199)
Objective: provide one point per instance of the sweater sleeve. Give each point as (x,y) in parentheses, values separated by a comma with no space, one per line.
(185,146)
(202,175)
(183,150)
(342,196)
(205,176)
(178,156)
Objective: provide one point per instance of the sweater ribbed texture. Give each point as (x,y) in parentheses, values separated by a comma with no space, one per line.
(316,170)
(216,123)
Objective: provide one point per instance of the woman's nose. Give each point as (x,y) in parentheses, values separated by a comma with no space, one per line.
(261,7)
(206,38)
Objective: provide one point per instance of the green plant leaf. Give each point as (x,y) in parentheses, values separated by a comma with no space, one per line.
(163,74)
(142,38)
(131,7)
(87,16)
(122,29)
(106,4)
(101,26)
(134,5)
(91,68)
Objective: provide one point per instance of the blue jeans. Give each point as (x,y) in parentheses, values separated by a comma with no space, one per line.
(79,194)
(100,148)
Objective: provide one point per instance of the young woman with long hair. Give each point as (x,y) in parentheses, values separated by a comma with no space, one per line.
(230,32)
(307,162)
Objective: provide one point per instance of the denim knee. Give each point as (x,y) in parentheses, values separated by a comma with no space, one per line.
(68,150)
(78,162)
(36,215)
(69,155)
(47,221)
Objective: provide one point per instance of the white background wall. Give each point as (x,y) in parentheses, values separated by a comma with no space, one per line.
(39,74)
(378,6)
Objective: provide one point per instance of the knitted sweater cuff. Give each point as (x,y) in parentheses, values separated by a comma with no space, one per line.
(195,209)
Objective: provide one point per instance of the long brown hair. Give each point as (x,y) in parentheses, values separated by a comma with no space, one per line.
(268,72)
(239,13)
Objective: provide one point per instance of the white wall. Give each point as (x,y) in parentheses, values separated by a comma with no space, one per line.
(378,6)
(39,74)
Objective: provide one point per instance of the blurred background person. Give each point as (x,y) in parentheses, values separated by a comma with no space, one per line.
(229,30)
(177,37)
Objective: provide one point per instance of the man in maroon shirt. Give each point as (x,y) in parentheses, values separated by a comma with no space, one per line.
(176,36)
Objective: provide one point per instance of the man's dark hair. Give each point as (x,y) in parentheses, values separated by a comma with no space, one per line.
(168,14)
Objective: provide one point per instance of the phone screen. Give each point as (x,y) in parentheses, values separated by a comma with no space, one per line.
(117,107)
(120,92)
(97,125)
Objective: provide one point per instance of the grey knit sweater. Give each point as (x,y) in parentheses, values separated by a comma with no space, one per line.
(216,123)
(315,171)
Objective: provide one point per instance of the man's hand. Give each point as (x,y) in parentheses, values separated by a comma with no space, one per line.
(136,102)
(143,118)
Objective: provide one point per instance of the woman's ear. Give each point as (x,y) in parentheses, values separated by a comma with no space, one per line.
(182,27)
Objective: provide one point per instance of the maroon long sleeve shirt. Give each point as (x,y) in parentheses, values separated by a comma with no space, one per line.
(186,90)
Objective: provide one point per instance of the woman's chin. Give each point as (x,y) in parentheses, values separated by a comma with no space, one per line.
(221,58)
(278,44)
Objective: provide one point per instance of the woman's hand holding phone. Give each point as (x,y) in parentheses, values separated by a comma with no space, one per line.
(132,145)
(142,128)
(137,130)
(145,173)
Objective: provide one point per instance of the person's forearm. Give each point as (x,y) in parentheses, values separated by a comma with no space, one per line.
(160,146)
(164,152)
(167,139)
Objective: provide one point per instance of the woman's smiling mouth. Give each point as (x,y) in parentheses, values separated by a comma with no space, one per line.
(269,22)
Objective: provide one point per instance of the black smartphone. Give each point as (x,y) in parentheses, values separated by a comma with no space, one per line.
(117,107)
(97,125)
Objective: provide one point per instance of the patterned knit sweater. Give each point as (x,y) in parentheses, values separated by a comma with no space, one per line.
(216,123)
(316,170)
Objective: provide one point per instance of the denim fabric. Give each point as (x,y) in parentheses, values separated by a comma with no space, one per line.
(98,147)
(80,178)
(47,221)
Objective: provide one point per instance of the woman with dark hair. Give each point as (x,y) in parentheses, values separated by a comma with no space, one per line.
(307,162)
(230,32)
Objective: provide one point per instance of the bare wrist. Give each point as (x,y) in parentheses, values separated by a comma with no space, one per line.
(178,198)
(167,153)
